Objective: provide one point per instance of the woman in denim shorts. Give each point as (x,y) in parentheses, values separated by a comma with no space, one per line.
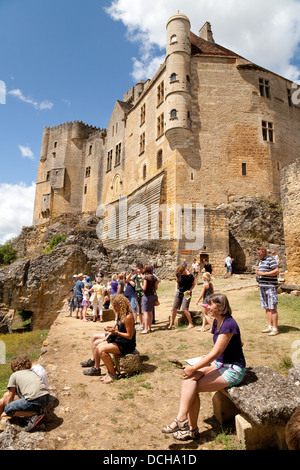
(224,366)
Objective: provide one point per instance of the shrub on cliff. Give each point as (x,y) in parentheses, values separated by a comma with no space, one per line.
(7,253)
(53,242)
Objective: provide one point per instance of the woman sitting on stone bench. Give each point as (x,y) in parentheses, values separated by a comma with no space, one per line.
(121,339)
(222,367)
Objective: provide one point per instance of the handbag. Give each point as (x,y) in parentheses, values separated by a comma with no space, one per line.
(156,301)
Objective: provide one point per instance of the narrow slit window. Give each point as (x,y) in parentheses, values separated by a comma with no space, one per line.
(244,169)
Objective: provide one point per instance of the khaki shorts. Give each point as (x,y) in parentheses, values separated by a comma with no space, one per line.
(181,301)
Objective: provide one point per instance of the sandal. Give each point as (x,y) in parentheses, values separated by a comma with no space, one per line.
(186,435)
(109,378)
(181,426)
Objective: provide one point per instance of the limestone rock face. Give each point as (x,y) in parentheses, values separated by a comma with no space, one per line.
(254,221)
(40,283)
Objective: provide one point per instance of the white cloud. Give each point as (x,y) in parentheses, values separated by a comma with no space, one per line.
(17,93)
(26,152)
(16,208)
(266,32)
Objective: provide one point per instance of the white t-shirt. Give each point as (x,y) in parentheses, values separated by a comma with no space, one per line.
(40,371)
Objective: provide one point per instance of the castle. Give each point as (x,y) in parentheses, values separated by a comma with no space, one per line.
(208,127)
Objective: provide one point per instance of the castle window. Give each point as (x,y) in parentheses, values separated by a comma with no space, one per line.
(144,172)
(85,189)
(173,78)
(188,78)
(88,172)
(48,175)
(90,149)
(159,159)
(268,131)
(264,88)
(244,169)
(160,125)
(160,93)
(143,114)
(109,160)
(118,155)
(54,154)
(55,145)
(173,39)
(142,143)
(173,114)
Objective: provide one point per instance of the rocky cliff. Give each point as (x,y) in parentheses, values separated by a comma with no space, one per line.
(40,283)
(254,221)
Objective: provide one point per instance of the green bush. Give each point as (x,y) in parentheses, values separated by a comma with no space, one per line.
(60,238)
(7,253)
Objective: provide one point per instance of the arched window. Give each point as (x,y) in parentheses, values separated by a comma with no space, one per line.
(173,38)
(173,114)
(173,77)
(159,159)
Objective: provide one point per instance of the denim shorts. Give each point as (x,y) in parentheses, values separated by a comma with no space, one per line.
(25,405)
(231,373)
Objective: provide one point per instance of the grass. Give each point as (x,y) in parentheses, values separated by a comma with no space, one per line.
(19,344)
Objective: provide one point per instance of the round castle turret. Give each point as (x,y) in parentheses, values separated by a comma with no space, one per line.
(178,86)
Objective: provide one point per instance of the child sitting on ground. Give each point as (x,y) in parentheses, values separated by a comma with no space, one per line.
(27,396)
(207,290)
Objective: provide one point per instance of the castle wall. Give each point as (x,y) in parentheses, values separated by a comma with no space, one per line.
(290,194)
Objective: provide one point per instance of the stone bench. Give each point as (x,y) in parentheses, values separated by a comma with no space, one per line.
(128,364)
(181,319)
(107,315)
(261,405)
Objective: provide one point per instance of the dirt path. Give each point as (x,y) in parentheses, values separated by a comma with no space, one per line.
(129,413)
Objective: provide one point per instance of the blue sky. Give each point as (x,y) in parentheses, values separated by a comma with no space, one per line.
(66,60)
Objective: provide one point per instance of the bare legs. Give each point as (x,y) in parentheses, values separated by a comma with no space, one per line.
(206,380)
(187,314)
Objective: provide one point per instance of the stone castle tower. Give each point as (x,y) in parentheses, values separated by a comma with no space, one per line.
(208,127)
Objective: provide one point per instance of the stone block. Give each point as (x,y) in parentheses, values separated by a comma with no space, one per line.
(108,314)
(255,437)
(129,364)
(224,409)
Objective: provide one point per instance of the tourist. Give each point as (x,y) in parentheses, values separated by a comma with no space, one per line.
(276,257)
(207,290)
(195,269)
(228,266)
(97,299)
(79,286)
(207,266)
(138,281)
(130,292)
(185,283)
(149,287)
(27,396)
(106,299)
(72,303)
(114,285)
(222,367)
(85,301)
(121,283)
(267,276)
(120,340)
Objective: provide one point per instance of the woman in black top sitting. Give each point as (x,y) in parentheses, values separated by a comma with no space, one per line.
(119,340)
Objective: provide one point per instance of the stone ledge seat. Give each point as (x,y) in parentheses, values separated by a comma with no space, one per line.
(261,405)
(129,364)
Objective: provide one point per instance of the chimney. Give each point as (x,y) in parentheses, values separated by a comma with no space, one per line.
(206,32)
